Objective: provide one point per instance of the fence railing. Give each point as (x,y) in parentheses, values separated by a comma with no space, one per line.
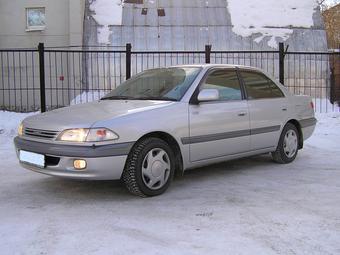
(50,78)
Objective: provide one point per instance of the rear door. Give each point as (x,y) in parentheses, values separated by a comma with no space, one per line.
(267,108)
(220,127)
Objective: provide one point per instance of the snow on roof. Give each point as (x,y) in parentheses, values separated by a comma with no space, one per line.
(271,18)
(107,13)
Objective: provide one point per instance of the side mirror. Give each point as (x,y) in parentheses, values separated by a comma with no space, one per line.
(207,95)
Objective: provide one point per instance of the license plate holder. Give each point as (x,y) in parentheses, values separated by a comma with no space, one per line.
(32,158)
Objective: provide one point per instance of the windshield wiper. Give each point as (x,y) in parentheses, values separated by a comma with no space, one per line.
(118,98)
(157,98)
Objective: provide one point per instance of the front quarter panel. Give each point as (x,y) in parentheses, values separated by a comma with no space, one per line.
(171,119)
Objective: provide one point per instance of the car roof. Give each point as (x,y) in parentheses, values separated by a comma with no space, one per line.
(208,66)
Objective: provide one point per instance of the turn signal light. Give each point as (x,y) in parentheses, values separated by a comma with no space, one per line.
(21,129)
(79,164)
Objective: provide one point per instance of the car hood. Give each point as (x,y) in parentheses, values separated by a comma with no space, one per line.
(85,115)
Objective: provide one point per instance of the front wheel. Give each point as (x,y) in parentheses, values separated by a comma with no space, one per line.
(288,146)
(150,168)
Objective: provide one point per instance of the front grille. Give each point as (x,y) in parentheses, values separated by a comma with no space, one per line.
(43,134)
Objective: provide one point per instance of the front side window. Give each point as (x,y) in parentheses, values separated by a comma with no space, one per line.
(35,18)
(157,84)
(226,82)
(258,86)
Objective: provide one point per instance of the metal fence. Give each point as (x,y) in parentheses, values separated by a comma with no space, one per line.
(315,74)
(50,78)
(19,80)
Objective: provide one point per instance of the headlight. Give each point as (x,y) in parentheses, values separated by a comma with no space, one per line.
(74,135)
(87,135)
(21,130)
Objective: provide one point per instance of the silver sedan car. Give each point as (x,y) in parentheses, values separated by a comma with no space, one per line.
(164,121)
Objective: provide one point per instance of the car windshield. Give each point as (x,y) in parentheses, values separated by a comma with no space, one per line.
(169,84)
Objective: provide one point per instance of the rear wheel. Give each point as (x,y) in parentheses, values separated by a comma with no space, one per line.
(288,146)
(150,168)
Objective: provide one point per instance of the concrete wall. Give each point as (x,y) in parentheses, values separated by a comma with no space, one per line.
(61,30)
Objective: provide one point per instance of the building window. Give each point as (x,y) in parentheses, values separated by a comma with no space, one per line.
(161,12)
(35,19)
(144,11)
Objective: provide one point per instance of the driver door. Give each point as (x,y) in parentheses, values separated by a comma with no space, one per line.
(219,128)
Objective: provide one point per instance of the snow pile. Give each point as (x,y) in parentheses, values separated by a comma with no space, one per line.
(270,18)
(87,97)
(327,132)
(9,122)
(107,13)
(323,105)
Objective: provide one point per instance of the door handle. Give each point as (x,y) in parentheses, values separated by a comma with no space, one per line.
(241,114)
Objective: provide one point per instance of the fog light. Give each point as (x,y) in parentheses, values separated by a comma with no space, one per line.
(79,164)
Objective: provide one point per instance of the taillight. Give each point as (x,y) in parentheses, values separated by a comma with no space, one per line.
(312,105)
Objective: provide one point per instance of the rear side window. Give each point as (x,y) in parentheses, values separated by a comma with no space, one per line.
(226,82)
(276,91)
(258,86)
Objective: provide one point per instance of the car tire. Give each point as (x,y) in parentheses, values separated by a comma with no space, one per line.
(149,168)
(288,146)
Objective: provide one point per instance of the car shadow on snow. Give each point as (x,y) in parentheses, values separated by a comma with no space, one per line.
(231,168)
(102,190)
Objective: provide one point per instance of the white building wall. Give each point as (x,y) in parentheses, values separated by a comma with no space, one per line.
(61,30)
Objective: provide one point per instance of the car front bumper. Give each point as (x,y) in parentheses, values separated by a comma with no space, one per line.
(105,162)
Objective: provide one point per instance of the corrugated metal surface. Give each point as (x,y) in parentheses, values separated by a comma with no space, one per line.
(191,24)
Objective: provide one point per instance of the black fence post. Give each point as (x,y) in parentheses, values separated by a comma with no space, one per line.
(128,60)
(332,84)
(41,49)
(282,63)
(207,53)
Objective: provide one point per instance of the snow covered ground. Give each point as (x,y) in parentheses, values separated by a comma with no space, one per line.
(248,206)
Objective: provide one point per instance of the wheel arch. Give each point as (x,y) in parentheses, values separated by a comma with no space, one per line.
(297,124)
(172,142)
